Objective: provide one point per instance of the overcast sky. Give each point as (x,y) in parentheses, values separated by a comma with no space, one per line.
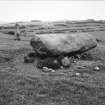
(11,11)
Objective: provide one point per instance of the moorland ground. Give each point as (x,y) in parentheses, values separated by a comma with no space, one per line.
(24,84)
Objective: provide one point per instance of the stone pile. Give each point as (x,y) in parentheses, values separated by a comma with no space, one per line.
(57,48)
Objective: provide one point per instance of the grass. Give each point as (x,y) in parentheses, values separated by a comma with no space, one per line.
(20,90)
(24,84)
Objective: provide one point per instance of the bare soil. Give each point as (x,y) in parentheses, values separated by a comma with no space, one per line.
(24,84)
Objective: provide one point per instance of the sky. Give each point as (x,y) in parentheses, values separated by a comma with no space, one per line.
(11,11)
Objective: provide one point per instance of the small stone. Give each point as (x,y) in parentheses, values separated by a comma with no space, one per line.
(53,71)
(55,61)
(45,69)
(77,74)
(65,62)
(50,69)
(61,67)
(96,68)
(78,56)
(74,61)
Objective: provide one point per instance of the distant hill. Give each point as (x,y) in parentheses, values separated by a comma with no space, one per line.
(40,27)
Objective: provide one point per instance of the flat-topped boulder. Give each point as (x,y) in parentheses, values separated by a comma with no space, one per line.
(62,44)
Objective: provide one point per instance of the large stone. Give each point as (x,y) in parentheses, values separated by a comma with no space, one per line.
(62,44)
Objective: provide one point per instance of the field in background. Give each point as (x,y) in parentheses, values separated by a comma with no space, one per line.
(39,27)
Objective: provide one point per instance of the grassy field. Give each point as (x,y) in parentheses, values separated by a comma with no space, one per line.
(40,27)
(24,84)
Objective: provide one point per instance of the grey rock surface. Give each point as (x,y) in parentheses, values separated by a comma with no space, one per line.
(61,44)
